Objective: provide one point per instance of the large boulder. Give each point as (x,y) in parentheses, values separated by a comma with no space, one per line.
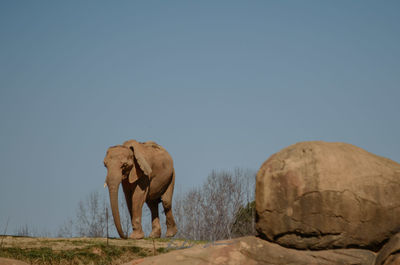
(319,195)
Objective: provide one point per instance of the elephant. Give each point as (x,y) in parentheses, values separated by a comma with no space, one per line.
(147,174)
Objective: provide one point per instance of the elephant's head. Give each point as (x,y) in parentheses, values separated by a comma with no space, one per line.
(123,162)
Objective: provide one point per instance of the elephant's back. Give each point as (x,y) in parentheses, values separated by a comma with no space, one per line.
(156,153)
(153,145)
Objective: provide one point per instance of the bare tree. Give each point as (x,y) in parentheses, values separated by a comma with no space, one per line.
(91,216)
(187,211)
(31,231)
(222,198)
(4,233)
(67,229)
(44,232)
(24,230)
(209,212)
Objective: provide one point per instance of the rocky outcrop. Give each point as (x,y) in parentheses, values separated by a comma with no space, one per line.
(319,195)
(252,250)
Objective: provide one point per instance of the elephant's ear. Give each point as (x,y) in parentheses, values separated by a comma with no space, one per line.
(143,164)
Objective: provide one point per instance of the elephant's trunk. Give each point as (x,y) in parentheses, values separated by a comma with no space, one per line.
(113,191)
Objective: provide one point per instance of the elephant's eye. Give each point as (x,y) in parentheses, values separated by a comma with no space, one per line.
(124,165)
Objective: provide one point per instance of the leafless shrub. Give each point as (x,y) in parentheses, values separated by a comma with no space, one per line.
(209,212)
(187,210)
(66,229)
(44,233)
(31,231)
(4,233)
(91,216)
(24,230)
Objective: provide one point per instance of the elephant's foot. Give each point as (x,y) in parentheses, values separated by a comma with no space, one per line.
(171,231)
(155,233)
(137,235)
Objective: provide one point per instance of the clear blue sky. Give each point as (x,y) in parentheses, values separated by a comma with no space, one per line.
(220,84)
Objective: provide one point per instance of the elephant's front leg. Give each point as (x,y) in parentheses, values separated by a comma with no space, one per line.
(138,199)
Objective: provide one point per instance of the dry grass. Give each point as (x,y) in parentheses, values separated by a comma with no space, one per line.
(82,250)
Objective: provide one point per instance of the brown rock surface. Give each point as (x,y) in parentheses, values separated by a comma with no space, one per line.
(393,260)
(390,253)
(319,195)
(251,250)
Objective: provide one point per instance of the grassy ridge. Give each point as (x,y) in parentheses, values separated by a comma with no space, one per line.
(96,254)
(77,252)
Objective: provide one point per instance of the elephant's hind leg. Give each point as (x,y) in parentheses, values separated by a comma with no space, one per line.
(155,223)
(166,199)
